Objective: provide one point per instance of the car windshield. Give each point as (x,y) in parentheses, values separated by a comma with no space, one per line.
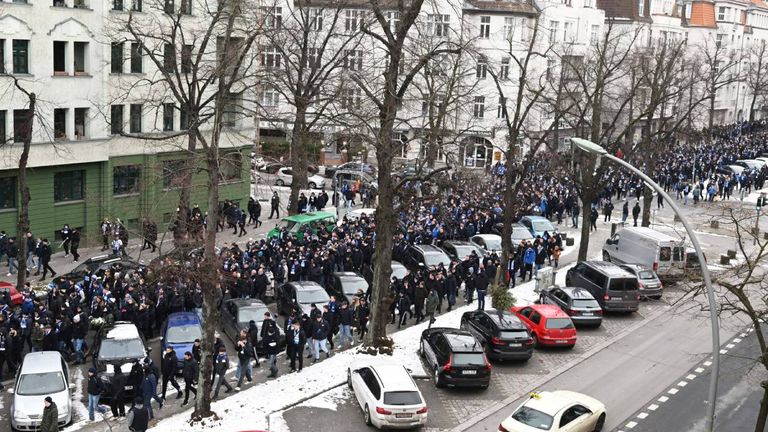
(311,296)
(252,313)
(113,349)
(37,384)
(287,224)
(183,334)
(584,303)
(433,259)
(559,323)
(492,243)
(402,398)
(541,226)
(351,286)
(464,251)
(468,359)
(513,334)
(533,418)
(520,234)
(646,274)
(625,284)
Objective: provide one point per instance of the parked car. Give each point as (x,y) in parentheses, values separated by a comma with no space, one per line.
(345,285)
(299,296)
(548,324)
(42,374)
(271,167)
(418,256)
(356,214)
(387,394)
(538,225)
(749,164)
(99,264)
(502,334)
(458,250)
(285,178)
(351,166)
(10,289)
(648,283)
(520,233)
(398,270)
(179,332)
(578,303)
(297,224)
(236,315)
(489,243)
(645,246)
(613,287)
(556,411)
(455,357)
(120,347)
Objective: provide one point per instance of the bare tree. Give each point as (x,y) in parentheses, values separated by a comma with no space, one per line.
(720,68)
(756,74)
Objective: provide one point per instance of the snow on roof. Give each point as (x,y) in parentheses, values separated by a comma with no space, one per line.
(123,331)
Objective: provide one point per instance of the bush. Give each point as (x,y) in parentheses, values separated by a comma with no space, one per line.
(502,298)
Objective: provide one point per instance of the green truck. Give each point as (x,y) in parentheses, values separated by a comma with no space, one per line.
(296,223)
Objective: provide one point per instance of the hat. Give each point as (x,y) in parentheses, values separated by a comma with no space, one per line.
(48,399)
(146,361)
(92,370)
(138,400)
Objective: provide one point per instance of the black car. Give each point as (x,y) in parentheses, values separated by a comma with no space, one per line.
(456,358)
(578,303)
(99,264)
(179,255)
(425,256)
(502,334)
(458,250)
(299,296)
(119,346)
(345,285)
(236,315)
(351,166)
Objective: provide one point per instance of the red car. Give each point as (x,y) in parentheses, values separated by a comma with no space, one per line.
(549,325)
(16,297)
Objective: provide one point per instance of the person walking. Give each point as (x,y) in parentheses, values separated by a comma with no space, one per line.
(220,366)
(345,324)
(138,416)
(636,212)
(528,260)
(270,342)
(95,388)
(241,221)
(75,245)
(117,393)
(189,372)
(593,220)
(168,368)
(275,204)
(44,254)
(66,235)
(432,301)
(50,420)
(296,338)
(106,232)
(320,331)
(481,284)
(244,354)
(149,391)
(625,212)
(13,257)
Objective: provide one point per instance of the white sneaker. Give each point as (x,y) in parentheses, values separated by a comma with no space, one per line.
(9,274)
(237,388)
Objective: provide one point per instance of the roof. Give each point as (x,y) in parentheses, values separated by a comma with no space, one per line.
(702,14)
(394,377)
(310,216)
(548,311)
(41,362)
(123,330)
(523,7)
(608,268)
(241,303)
(505,320)
(649,232)
(307,286)
(577,293)
(183,319)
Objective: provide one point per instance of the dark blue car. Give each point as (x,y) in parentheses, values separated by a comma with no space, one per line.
(179,332)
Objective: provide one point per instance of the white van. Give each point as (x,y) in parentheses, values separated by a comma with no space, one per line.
(647,247)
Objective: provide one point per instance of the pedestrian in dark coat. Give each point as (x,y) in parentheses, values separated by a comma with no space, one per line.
(117,393)
(296,338)
(168,367)
(189,372)
(636,212)
(50,420)
(138,417)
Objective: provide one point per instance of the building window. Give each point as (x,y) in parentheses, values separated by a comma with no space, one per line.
(137,5)
(117,5)
(2,56)
(59,58)
(8,192)
(59,124)
(116,120)
(550,68)
(351,98)
(589,3)
(481,70)
(479,107)
(352,20)
(3,132)
(136,60)
(125,179)
(641,7)
(169,58)
(504,69)
(524,29)
(719,40)
(81,58)
(233,103)
(485,27)
(186,59)
(501,111)
(477,153)
(173,173)
(594,35)
(183,117)
(273,16)
(353,60)
(509,28)
(270,57)
(438,25)
(117,57)
(186,7)
(20,56)
(231,167)
(21,131)
(270,97)
(168,117)
(135,118)
(568,32)
(314,56)
(393,19)
(169,6)
(554,26)
(68,186)
(721,13)
(81,123)
(316,19)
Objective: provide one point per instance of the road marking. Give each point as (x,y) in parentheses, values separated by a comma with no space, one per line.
(743,335)
(682,384)
(699,370)
(630,425)
(729,346)
(642,415)
(672,391)
(663,399)
(653,407)
(707,363)
(723,351)
(690,377)
(736,340)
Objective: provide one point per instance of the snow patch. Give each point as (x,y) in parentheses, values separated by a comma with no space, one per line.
(329,400)
(123,331)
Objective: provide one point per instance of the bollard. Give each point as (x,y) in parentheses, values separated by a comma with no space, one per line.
(714,224)
(765,236)
(725,259)
(677,218)
(570,241)
(731,253)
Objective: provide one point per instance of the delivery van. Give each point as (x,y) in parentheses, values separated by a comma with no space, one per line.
(647,247)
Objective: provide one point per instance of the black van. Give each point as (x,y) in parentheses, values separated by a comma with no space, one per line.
(614,288)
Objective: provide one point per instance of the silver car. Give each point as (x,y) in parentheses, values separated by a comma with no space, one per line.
(42,373)
(648,282)
(578,303)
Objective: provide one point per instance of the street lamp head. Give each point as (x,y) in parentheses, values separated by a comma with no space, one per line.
(588,146)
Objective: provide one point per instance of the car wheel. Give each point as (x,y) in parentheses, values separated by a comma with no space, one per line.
(279,182)
(606,257)
(570,347)
(535,340)
(600,423)
(438,379)
(367,416)
(312,185)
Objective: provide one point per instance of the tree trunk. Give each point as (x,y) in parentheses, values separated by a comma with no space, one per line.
(298,158)
(752,108)
(510,192)
(763,413)
(712,110)
(181,236)
(23,223)
(647,203)
(588,194)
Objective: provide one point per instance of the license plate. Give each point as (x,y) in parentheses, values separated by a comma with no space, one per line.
(515,345)
(561,341)
(617,298)
(588,314)
(469,372)
(403,415)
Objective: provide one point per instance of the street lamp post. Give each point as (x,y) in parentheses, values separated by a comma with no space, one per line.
(595,149)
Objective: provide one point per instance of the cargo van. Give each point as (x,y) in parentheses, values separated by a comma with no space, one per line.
(658,251)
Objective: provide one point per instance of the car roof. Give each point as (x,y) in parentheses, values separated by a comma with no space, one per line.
(347,275)
(505,320)
(533,218)
(549,402)
(183,319)
(123,330)
(609,268)
(429,249)
(41,362)
(577,293)
(241,303)
(487,236)
(394,377)
(459,340)
(650,232)
(306,286)
(459,243)
(548,311)
(308,217)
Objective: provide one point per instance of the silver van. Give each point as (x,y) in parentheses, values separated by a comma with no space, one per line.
(614,288)
(42,373)
(658,251)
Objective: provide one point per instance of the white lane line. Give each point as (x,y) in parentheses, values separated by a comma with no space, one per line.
(699,370)
(707,363)
(653,407)
(663,399)
(736,340)
(682,384)
(723,351)
(630,425)
(672,391)
(690,377)
(642,415)
(730,346)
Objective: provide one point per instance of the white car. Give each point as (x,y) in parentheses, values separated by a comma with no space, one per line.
(285,178)
(488,242)
(356,214)
(556,411)
(387,394)
(42,374)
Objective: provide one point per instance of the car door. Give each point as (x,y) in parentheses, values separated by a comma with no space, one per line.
(475,326)
(525,316)
(358,378)
(576,418)
(428,349)
(485,329)
(535,321)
